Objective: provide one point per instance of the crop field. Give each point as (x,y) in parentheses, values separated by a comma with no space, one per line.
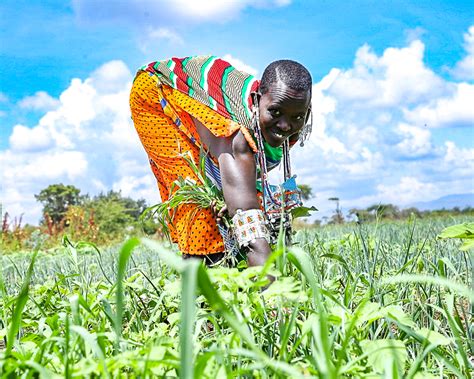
(378,300)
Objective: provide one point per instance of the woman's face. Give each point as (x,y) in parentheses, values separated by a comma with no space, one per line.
(283,112)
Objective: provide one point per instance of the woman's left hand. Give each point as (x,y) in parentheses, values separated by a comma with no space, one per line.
(219,211)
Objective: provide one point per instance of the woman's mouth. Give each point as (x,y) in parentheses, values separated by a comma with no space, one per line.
(275,136)
(279,134)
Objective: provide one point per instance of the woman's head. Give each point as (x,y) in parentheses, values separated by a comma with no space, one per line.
(284,100)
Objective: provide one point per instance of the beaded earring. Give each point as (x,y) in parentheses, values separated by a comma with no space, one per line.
(307,129)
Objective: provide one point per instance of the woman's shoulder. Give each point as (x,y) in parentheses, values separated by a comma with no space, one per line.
(240,144)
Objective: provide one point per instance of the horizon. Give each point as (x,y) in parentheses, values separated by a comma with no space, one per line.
(393,88)
(463,202)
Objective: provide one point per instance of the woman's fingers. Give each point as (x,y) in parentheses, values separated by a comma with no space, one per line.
(222,212)
(214,208)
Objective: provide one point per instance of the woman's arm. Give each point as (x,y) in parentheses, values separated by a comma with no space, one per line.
(238,174)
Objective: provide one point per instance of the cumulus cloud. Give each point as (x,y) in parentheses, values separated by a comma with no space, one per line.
(52,165)
(404,192)
(371,142)
(372,133)
(25,139)
(154,37)
(240,65)
(167,13)
(40,101)
(415,143)
(414,34)
(88,141)
(397,78)
(458,162)
(464,69)
(455,109)
(111,77)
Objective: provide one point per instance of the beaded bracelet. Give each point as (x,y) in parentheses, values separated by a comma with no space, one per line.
(249,225)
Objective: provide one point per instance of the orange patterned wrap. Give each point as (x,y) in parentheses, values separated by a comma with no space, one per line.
(195,230)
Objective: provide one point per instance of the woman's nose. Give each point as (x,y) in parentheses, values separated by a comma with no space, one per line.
(284,125)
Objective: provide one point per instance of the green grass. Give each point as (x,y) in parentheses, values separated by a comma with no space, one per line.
(357,301)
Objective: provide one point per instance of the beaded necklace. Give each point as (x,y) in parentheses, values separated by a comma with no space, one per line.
(277,200)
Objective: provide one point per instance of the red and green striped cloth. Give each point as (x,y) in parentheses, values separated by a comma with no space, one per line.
(217,84)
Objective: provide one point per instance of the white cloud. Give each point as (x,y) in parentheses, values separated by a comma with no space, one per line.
(455,109)
(464,69)
(408,190)
(399,77)
(25,139)
(240,65)
(138,187)
(458,162)
(111,77)
(155,37)
(454,154)
(163,33)
(40,101)
(414,34)
(52,165)
(416,141)
(209,9)
(373,125)
(3,97)
(19,204)
(88,141)
(168,13)
(369,142)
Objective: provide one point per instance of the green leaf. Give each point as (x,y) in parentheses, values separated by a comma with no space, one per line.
(425,375)
(370,312)
(464,230)
(19,306)
(396,312)
(188,317)
(302,211)
(456,287)
(467,245)
(434,337)
(340,259)
(124,256)
(383,353)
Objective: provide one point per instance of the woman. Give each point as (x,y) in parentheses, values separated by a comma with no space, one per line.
(183,105)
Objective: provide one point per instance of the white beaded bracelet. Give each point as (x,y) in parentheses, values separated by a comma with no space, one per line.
(249,225)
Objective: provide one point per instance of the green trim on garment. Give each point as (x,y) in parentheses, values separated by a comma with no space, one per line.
(272,153)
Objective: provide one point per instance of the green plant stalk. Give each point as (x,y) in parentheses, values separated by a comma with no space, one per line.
(188,318)
(19,306)
(124,255)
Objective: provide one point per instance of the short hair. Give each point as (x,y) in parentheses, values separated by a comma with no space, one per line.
(291,73)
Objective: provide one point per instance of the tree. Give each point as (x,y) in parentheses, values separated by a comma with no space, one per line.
(337,217)
(385,211)
(113,213)
(57,198)
(362,215)
(306,191)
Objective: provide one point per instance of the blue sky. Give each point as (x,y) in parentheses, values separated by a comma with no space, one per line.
(393,82)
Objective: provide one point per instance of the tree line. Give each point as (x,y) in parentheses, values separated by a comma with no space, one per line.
(388,212)
(104,218)
(110,216)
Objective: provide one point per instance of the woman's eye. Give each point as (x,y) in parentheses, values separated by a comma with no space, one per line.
(275,113)
(299,118)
